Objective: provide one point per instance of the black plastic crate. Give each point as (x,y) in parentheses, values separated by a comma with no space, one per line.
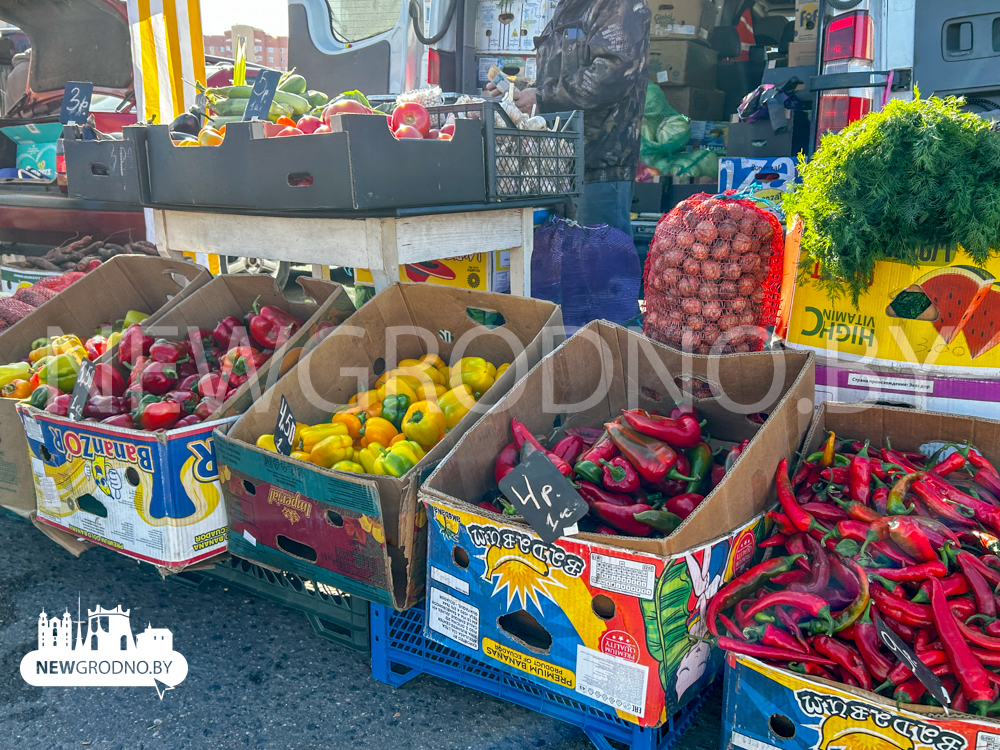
(333,614)
(108,170)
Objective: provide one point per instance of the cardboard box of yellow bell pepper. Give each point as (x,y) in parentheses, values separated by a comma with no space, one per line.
(938,318)
(104,296)
(609,620)
(363,532)
(155,496)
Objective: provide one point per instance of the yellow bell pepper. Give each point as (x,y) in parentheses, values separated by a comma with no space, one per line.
(421,370)
(399,386)
(425,423)
(301,456)
(436,362)
(267,443)
(475,372)
(313,436)
(351,466)
(367,402)
(297,438)
(502,369)
(369,455)
(398,459)
(60,345)
(430,391)
(331,450)
(113,340)
(456,403)
(352,421)
(378,430)
(12,372)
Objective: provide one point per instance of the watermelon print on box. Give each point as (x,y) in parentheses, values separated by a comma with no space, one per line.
(942,316)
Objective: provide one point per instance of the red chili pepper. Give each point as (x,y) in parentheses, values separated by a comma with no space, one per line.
(792,576)
(485,505)
(913,573)
(619,476)
(594,494)
(622,517)
(906,533)
(606,530)
(908,613)
(901,672)
(837,474)
(777,540)
(910,691)
(588,465)
(120,420)
(271,326)
(867,640)
(895,457)
(683,505)
(983,511)
(845,657)
(879,470)
(989,481)
(940,507)
(734,630)
(718,474)
(797,546)
(859,511)
(985,603)
(744,585)
(679,411)
(861,476)
(768,652)
(733,456)
(161,415)
(569,448)
(168,352)
(820,562)
(683,432)
(980,462)
(825,512)
(133,344)
(989,573)
(506,461)
(925,636)
(107,381)
(207,407)
(955,584)
(967,669)
(781,523)
(523,435)
(773,636)
(800,518)
(790,622)
(803,472)
(651,458)
(809,603)
(812,670)
(158,378)
(953,462)
(853,612)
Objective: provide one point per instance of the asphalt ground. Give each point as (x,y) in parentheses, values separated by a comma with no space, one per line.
(258,677)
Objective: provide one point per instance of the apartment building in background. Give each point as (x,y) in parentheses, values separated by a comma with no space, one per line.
(263,49)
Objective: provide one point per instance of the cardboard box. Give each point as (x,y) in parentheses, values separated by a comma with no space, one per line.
(682,63)
(11,277)
(937,316)
(156,496)
(708,134)
(511,25)
(763,703)
(776,175)
(802,53)
(365,534)
(126,282)
(682,19)
(858,383)
(586,615)
(698,104)
(473,272)
(806,21)
(36,146)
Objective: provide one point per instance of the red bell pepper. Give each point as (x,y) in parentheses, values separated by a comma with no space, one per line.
(158,378)
(133,344)
(160,415)
(569,448)
(623,517)
(120,420)
(187,421)
(229,332)
(591,493)
(168,352)
(652,458)
(683,505)
(207,407)
(618,475)
(271,326)
(506,461)
(523,435)
(189,383)
(95,346)
(141,363)
(187,399)
(59,405)
(213,385)
(107,381)
(100,407)
(683,432)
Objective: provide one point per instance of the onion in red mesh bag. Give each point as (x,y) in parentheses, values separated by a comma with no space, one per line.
(713,275)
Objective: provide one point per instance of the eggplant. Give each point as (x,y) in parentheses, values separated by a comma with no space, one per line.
(186,123)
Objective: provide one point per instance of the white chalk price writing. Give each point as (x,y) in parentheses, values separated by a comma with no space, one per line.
(284,430)
(544,498)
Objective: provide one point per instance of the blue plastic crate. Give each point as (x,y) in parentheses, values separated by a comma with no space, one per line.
(400,652)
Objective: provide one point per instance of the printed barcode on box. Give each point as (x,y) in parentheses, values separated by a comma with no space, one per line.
(622,576)
(50,493)
(615,682)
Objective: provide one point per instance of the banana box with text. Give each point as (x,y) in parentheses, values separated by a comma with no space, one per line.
(156,496)
(608,620)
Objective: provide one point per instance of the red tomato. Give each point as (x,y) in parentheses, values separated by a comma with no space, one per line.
(308,124)
(411,114)
(408,131)
(289,131)
(288,122)
(448,129)
(444,137)
(433,133)
(342,107)
(322,129)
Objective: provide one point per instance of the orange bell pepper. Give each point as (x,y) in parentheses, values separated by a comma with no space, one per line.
(378,430)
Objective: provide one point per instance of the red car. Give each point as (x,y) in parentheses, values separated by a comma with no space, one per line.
(84,40)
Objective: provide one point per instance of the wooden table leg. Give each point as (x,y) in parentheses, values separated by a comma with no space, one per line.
(520,257)
(382,252)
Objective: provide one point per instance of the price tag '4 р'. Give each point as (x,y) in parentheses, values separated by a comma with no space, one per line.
(544,498)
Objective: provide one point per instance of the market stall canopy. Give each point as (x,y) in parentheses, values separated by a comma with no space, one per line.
(80,40)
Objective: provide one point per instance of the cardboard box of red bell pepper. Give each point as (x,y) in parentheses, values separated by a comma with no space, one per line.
(769,706)
(104,296)
(609,620)
(364,532)
(154,493)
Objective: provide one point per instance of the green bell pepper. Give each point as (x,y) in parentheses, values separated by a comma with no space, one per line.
(394,408)
(61,372)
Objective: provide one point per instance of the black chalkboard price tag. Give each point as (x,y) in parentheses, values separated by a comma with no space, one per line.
(81,391)
(76,102)
(920,670)
(544,498)
(259,103)
(284,430)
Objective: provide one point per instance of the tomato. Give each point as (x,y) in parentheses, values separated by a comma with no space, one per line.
(448,129)
(288,122)
(289,131)
(433,133)
(344,107)
(444,137)
(322,129)
(209,137)
(308,124)
(412,114)
(407,131)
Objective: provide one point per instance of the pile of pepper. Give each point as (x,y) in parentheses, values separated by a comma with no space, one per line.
(641,475)
(47,375)
(864,533)
(388,429)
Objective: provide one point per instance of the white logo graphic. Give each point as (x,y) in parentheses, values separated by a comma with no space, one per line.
(105,654)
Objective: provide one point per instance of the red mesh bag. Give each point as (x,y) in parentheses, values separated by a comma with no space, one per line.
(713,275)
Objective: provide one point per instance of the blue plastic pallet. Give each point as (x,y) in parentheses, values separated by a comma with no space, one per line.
(400,652)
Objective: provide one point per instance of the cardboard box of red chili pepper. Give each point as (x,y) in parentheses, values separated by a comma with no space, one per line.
(365,533)
(154,493)
(609,620)
(144,284)
(773,707)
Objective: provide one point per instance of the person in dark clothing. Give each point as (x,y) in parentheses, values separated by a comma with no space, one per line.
(594,56)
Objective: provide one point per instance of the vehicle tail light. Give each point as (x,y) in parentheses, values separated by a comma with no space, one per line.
(847,48)
(61,166)
(433,67)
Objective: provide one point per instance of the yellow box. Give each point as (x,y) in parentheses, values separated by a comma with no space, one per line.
(465,272)
(941,316)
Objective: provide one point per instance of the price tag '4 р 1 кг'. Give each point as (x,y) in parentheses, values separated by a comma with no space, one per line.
(544,498)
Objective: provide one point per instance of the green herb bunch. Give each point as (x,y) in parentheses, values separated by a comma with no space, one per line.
(914,175)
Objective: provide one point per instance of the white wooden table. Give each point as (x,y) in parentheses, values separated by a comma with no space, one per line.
(381,245)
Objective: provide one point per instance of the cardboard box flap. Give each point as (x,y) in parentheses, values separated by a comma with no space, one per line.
(572,386)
